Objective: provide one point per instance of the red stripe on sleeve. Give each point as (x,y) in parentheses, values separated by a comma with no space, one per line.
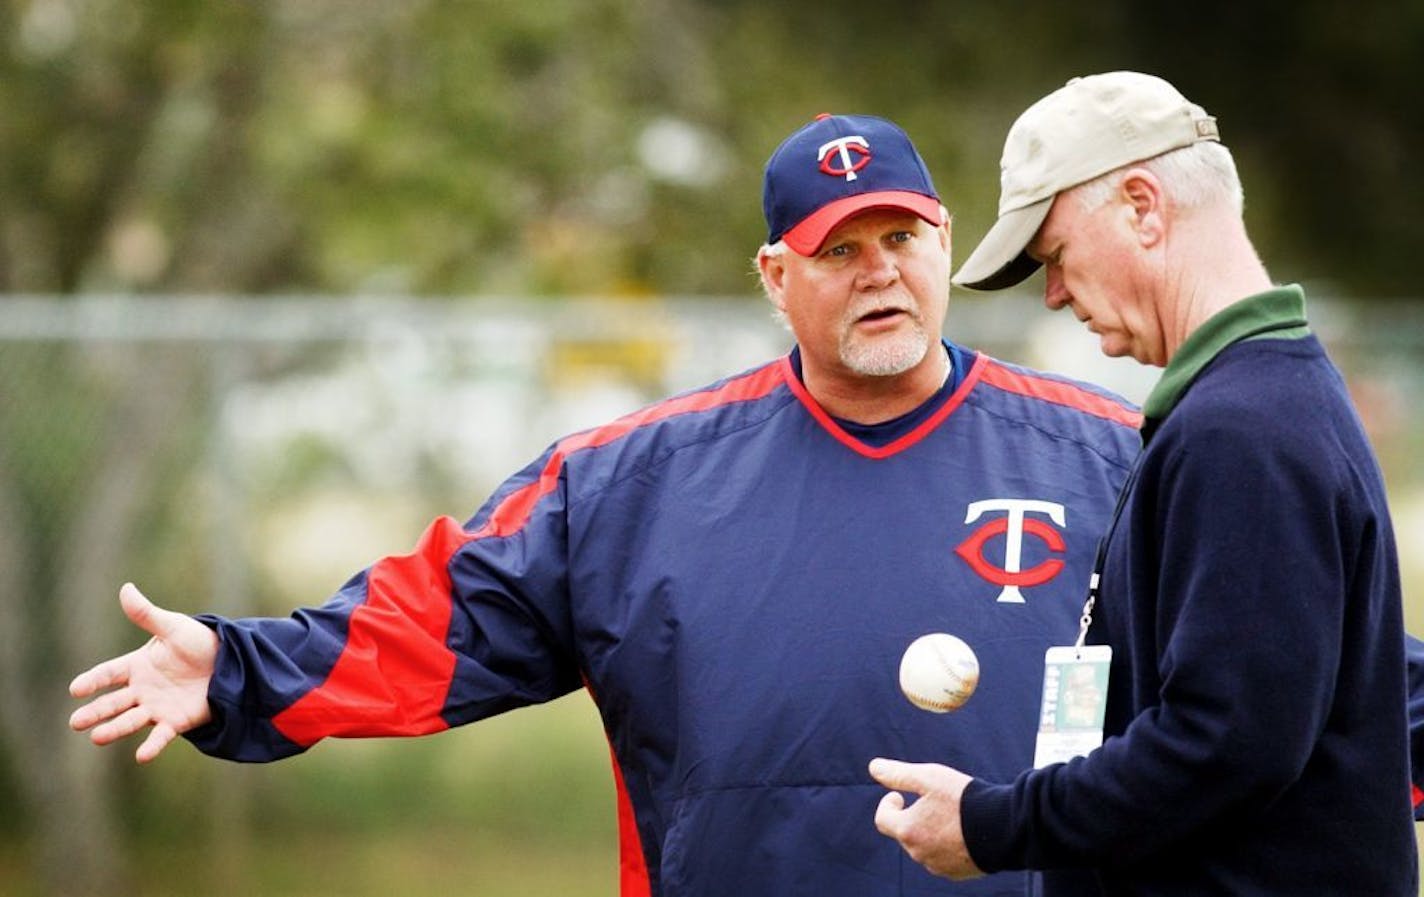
(1416,796)
(1060,393)
(394,673)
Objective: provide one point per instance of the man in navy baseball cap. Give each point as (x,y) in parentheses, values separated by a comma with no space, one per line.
(807,508)
(857,264)
(837,166)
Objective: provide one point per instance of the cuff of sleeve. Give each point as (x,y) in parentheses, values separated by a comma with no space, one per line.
(232,734)
(985,815)
(208,737)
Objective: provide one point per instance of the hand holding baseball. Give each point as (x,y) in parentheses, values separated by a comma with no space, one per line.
(163,684)
(929,829)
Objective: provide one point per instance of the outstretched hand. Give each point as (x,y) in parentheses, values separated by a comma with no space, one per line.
(929,829)
(163,684)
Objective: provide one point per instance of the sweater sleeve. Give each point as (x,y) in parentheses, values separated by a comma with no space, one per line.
(1242,612)
(471,623)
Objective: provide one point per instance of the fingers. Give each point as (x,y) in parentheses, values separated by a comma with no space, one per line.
(161,736)
(888,815)
(104,675)
(144,613)
(121,726)
(899,776)
(120,718)
(101,709)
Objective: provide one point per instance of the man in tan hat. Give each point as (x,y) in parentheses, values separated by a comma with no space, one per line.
(1254,737)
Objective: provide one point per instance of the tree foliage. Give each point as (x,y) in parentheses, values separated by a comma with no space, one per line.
(616,145)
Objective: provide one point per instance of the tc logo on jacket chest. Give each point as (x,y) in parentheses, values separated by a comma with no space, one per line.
(1013,526)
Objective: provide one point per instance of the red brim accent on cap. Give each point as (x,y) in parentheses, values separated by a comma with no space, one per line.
(806,237)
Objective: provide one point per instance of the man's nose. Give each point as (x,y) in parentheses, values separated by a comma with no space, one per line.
(1055,294)
(878,268)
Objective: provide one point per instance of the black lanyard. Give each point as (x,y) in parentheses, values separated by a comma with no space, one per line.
(1100,558)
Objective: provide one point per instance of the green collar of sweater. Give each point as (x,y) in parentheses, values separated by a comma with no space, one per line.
(1276,314)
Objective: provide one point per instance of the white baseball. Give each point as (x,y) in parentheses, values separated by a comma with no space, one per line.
(938,672)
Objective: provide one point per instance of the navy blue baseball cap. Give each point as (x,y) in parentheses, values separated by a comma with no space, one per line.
(836,167)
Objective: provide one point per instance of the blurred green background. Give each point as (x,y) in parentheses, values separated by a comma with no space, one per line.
(282,280)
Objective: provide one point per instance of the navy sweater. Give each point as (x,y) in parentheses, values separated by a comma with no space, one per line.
(1256,714)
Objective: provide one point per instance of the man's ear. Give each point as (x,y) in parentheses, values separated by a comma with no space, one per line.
(1144,194)
(773,276)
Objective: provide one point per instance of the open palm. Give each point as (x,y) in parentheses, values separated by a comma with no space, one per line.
(163,684)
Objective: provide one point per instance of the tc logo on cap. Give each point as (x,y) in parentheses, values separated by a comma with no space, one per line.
(805,201)
(843,147)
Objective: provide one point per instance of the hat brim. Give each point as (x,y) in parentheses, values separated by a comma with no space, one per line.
(807,236)
(999,261)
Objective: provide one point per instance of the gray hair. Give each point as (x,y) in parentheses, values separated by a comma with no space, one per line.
(774,250)
(1194,176)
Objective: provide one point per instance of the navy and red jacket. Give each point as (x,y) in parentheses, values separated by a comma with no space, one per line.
(733,575)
